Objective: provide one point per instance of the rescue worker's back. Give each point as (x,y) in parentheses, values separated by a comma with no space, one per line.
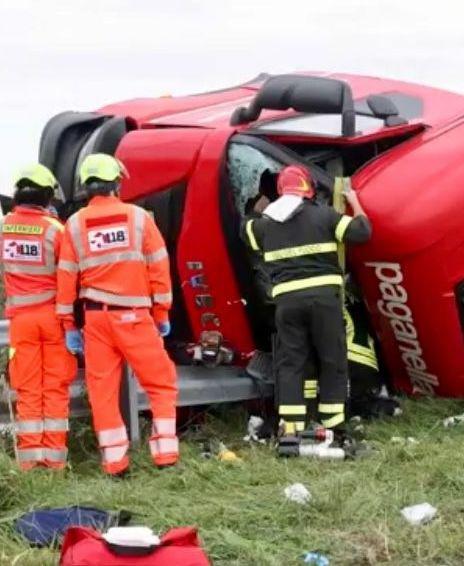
(297,238)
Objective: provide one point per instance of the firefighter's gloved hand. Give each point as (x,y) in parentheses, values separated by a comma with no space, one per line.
(164,328)
(74,342)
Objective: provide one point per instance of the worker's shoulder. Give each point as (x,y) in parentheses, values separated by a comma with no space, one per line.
(319,210)
(51,221)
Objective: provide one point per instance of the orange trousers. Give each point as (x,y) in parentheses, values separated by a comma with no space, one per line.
(41,370)
(109,337)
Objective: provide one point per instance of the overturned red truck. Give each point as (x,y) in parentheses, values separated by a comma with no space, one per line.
(196,161)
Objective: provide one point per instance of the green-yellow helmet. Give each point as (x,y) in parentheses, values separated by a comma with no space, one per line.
(37,174)
(102,167)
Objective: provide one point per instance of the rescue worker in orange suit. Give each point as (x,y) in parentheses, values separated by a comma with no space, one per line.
(297,236)
(40,367)
(114,258)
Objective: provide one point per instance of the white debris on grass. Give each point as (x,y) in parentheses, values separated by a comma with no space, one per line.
(453,421)
(297,493)
(253,427)
(419,514)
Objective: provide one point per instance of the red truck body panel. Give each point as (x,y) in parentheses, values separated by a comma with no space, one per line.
(413,194)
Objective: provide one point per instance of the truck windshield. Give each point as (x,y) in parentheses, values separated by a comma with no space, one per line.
(246,166)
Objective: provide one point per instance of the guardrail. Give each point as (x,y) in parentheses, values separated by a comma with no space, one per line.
(197,386)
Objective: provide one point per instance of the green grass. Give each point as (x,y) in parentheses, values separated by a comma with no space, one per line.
(242,514)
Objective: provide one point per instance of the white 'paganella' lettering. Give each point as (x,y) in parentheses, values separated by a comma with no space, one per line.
(394,306)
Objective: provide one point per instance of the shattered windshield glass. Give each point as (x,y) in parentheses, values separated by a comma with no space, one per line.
(246,165)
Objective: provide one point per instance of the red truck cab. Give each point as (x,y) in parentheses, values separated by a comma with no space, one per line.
(196,161)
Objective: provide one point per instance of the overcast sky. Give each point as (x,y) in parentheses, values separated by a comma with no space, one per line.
(78,55)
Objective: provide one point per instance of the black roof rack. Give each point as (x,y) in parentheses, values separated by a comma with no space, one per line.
(315,95)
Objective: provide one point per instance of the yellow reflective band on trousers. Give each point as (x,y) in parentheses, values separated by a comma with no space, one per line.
(310,389)
(331,407)
(293,427)
(251,236)
(292,410)
(300,284)
(11,353)
(342,226)
(298,251)
(333,421)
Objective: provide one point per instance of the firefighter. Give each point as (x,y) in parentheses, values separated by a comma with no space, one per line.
(40,367)
(298,239)
(114,259)
(368,384)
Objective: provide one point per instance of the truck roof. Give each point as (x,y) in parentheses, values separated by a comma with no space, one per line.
(213,109)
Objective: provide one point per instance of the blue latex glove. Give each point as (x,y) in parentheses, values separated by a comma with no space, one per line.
(164,328)
(74,342)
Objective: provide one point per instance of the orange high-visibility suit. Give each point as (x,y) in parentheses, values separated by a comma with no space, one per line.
(115,259)
(40,367)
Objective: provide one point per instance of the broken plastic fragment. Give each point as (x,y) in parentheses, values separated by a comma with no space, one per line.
(297,493)
(419,514)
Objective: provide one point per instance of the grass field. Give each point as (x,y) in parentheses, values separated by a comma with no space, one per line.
(243,516)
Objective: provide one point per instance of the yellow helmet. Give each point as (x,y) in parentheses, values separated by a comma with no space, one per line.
(102,167)
(37,174)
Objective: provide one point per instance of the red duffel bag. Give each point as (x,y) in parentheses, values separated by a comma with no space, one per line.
(86,547)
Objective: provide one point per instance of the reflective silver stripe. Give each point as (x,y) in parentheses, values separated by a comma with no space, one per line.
(20,300)
(156,256)
(112,299)
(54,222)
(140,216)
(25,427)
(64,309)
(112,436)
(56,425)
(29,269)
(68,266)
(162,298)
(114,454)
(341,227)
(30,454)
(74,230)
(164,426)
(50,246)
(114,257)
(55,454)
(164,445)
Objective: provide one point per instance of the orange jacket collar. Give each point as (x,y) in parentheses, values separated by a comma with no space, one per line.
(24,209)
(100,200)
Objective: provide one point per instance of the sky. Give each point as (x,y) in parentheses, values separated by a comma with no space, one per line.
(81,54)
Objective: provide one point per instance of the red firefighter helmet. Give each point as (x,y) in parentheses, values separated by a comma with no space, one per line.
(295,180)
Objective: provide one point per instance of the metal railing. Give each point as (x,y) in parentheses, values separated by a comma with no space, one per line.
(197,386)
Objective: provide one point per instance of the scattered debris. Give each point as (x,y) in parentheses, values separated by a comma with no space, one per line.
(419,514)
(297,493)
(404,440)
(316,559)
(206,450)
(453,421)
(254,427)
(226,455)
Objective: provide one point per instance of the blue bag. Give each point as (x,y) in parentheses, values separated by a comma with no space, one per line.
(46,527)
